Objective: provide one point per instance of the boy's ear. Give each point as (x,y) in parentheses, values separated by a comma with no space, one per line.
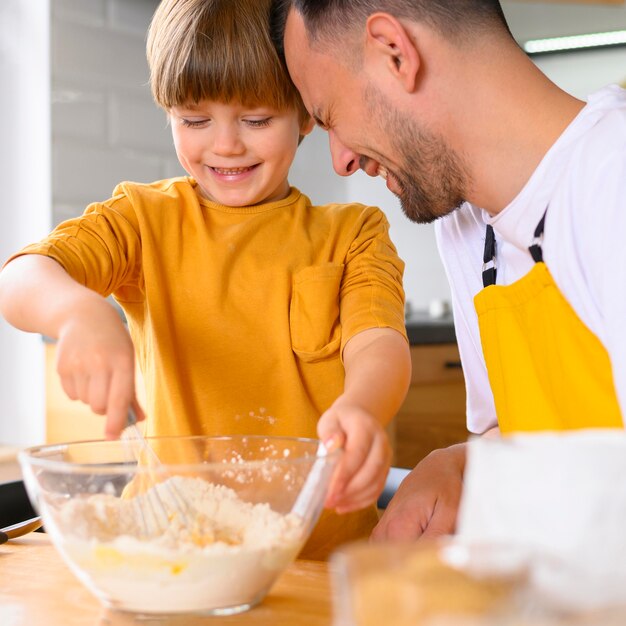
(307,126)
(389,42)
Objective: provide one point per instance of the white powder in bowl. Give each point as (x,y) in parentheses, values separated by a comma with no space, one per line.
(226,561)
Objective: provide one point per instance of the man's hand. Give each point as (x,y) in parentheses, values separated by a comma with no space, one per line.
(427,500)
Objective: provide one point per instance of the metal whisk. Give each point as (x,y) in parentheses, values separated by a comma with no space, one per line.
(155,513)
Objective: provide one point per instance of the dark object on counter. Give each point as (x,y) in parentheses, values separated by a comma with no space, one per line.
(423,329)
(17,516)
(14,504)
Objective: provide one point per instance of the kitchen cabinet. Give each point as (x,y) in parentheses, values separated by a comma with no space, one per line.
(433,413)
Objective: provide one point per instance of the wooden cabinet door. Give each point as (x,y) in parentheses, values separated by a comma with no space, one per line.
(433,413)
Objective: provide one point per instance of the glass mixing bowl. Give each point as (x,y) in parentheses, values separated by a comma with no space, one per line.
(207,529)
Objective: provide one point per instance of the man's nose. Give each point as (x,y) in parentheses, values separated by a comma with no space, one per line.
(345,161)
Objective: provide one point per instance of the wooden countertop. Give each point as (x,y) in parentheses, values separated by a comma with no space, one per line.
(37,588)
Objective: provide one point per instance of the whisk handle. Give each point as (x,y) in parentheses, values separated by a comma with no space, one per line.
(131,418)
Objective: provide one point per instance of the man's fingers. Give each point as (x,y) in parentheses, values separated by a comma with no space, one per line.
(443,520)
(398,527)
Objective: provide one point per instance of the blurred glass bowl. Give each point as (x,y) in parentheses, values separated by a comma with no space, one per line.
(250,505)
(438,582)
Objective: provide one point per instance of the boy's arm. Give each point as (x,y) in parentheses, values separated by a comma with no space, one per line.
(95,356)
(378,370)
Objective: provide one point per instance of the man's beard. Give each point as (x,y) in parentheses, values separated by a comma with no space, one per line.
(432,177)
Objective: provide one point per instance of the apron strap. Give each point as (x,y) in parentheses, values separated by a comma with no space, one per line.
(535,248)
(489,258)
(489,254)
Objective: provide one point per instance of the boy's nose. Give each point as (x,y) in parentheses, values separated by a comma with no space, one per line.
(226,141)
(345,161)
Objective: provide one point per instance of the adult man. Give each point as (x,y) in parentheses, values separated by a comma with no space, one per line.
(437,98)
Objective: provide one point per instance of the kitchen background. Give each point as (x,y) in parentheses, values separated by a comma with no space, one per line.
(76,117)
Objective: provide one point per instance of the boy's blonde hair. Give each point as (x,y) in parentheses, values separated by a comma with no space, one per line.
(217,50)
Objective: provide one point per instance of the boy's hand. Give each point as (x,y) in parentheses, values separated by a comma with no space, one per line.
(95,356)
(360,476)
(96,362)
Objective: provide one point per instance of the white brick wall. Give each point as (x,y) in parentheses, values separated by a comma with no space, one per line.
(88,11)
(105,126)
(90,172)
(130,15)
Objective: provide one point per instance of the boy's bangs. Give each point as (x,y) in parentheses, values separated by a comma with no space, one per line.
(233,78)
(217,50)
(226,67)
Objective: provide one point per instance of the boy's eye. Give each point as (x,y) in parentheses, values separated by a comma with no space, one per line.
(259,123)
(193,123)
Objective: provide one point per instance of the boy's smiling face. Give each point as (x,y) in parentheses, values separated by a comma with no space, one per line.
(239,156)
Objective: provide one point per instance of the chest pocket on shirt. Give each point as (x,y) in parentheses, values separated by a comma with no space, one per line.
(314,311)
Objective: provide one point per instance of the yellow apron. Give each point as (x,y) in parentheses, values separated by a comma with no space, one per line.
(547,370)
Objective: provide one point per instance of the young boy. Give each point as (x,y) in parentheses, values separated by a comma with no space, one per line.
(250,310)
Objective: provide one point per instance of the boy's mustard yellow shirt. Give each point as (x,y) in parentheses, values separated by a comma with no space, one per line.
(238,315)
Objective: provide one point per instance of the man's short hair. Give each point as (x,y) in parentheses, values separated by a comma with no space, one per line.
(330,20)
(217,50)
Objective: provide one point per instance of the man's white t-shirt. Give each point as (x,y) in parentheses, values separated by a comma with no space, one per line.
(582,182)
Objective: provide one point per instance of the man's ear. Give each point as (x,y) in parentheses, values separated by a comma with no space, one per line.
(388,40)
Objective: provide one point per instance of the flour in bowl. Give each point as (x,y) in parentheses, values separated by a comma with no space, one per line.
(227,556)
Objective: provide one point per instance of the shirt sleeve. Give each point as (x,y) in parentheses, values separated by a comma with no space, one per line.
(100,249)
(371,292)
